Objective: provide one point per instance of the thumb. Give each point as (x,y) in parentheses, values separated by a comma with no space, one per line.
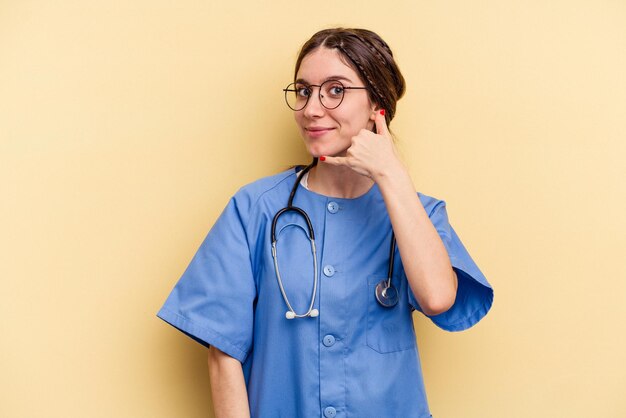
(381,123)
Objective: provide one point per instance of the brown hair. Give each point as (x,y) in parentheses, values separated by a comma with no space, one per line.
(369,56)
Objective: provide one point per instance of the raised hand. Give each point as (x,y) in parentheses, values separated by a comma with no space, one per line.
(371,154)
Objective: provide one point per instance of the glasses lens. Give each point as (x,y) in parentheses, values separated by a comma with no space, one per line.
(297,95)
(331,94)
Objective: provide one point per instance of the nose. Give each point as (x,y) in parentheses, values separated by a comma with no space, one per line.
(314,108)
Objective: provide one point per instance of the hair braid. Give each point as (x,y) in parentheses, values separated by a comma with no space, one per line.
(376,51)
(376,44)
(378,95)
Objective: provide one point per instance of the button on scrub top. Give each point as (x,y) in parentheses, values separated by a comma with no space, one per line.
(355,359)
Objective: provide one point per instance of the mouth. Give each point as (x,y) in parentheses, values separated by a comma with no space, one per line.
(317,131)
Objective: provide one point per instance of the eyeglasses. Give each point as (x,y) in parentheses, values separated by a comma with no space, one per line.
(331,93)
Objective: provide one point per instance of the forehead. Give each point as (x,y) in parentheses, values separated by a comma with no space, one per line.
(324,63)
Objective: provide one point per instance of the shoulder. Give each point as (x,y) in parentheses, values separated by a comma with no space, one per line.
(431,204)
(264,188)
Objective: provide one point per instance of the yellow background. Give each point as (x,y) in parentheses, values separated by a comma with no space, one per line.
(125,127)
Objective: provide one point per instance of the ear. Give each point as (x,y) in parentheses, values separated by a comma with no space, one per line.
(374,110)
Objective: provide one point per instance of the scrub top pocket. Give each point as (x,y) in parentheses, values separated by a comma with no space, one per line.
(389,329)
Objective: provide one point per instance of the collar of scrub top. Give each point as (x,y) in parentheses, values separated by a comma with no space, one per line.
(386,293)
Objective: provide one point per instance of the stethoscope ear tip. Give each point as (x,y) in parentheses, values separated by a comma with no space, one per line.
(291,314)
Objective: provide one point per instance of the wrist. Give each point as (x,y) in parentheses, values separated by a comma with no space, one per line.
(391,173)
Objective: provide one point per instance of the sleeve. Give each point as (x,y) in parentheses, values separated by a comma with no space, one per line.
(474,294)
(213,300)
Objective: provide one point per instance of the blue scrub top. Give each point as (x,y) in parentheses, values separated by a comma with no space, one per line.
(357,359)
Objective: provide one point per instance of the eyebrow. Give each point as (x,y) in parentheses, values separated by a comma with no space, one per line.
(332,77)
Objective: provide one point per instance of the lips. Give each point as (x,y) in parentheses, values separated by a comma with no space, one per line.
(317,131)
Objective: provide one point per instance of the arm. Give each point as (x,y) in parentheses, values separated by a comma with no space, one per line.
(424,257)
(228,388)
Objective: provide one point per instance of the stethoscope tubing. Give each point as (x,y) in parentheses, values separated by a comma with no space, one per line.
(291,314)
(386,293)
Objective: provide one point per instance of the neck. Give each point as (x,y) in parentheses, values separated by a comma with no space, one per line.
(338,181)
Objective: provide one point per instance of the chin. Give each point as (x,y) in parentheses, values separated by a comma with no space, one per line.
(317,152)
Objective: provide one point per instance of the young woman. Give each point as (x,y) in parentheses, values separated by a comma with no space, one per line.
(305,286)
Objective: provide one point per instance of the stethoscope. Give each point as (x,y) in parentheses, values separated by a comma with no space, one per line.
(386,292)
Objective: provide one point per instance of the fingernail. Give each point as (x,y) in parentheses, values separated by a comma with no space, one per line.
(322,158)
(382,112)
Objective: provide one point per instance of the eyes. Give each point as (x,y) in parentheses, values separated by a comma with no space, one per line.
(330,93)
(330,89)
(302,91)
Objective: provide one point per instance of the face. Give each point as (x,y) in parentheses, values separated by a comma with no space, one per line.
(330,131)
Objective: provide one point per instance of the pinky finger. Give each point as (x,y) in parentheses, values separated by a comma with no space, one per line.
(335,160)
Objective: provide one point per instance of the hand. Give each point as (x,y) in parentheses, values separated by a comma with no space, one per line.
(371,154)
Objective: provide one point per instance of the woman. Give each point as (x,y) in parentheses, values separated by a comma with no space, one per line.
(315,328)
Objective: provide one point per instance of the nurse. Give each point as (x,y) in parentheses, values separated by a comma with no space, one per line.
(348,354)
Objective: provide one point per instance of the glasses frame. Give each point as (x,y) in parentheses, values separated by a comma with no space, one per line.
(288,90)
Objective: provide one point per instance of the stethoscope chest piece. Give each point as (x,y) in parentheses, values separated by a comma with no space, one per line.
(386,294)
